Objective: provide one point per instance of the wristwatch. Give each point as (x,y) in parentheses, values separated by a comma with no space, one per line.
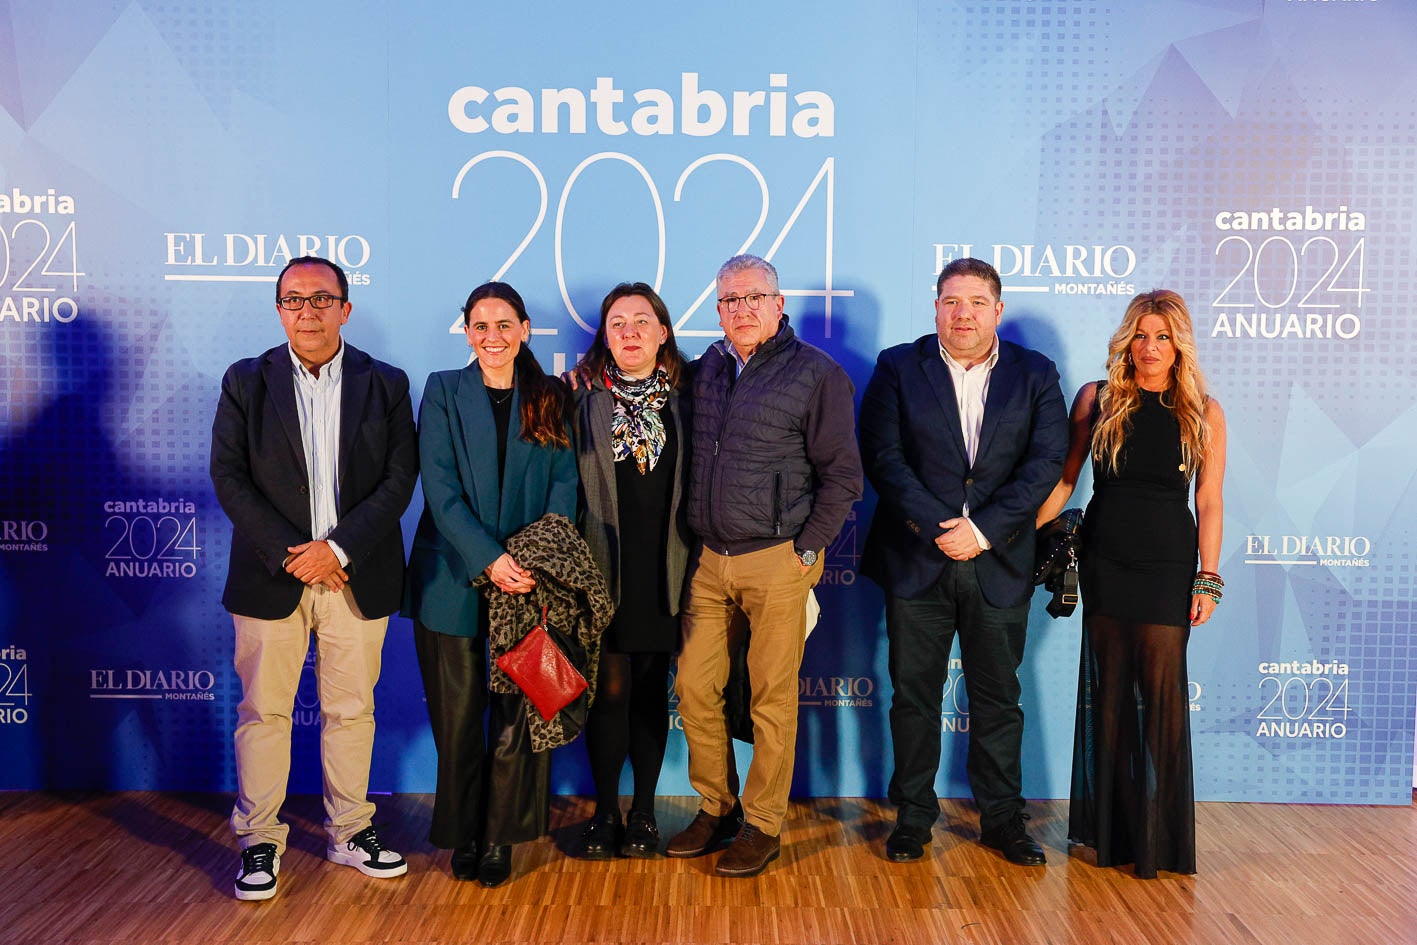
(808,558)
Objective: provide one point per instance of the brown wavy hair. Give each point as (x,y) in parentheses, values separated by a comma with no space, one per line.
(543,397)
(1185,397)
(670,359)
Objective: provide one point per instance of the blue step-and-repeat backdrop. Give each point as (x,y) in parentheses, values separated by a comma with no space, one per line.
(160,160)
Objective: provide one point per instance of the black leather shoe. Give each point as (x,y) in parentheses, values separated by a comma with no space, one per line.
(906,843)
(495,865)
(641,836)
(464,862)
(601,837)
(1013,841)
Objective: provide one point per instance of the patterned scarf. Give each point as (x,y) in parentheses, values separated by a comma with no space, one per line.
(636,428)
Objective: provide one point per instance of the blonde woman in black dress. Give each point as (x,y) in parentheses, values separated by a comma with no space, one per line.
(1152,434)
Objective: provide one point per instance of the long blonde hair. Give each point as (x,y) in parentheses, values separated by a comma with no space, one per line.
(1121,397)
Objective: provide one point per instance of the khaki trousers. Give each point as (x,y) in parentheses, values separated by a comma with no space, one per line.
(770,590)
(269,658)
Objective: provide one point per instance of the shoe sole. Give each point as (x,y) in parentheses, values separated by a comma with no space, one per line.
(357,861)
(905,857)
(754,871)
(686,854)
(1016,861)
(255,895)
(703,851)
(639,853)
(596,855)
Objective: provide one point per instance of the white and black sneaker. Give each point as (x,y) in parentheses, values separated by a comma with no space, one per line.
(366,853)
(260,865)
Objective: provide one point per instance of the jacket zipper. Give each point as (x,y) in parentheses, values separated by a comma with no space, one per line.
(777,505)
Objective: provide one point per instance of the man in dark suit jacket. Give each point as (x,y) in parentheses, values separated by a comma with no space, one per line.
(314,461)
(963,436)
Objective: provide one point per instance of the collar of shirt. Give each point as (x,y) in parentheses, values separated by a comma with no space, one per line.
(332,369)
(727,348)
(987,364)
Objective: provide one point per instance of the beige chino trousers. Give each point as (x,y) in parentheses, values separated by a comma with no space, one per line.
(269,657)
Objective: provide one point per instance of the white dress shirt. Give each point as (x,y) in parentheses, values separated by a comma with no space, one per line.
(971,391)
(317,399)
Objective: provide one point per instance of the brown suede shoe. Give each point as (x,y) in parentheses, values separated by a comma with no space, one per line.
(705,834)
(750,853)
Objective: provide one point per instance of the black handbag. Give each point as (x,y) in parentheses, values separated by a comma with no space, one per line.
(1056,561)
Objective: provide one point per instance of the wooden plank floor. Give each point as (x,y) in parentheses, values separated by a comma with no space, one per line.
(103,869)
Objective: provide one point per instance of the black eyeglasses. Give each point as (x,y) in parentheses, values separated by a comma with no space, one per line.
(754,299)
(294,303)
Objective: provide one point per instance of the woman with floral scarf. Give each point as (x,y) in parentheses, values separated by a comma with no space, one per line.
(631,431)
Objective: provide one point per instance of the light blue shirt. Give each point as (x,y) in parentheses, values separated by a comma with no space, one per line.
(727,348)
(317,399)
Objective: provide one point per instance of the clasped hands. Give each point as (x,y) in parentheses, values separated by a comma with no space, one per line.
(510,576)
(314,563)
(958,541)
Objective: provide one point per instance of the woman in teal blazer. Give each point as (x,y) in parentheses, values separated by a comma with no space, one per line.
(495,457)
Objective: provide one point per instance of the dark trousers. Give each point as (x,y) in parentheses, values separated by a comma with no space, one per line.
(991,640)
(498,796)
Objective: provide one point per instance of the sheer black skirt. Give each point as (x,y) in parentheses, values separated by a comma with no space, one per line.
(1133,794)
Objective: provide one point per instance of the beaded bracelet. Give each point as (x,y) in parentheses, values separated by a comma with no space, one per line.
(1213,576)
(1209,587)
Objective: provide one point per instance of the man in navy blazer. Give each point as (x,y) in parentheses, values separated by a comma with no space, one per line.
(963,436)
(314,460)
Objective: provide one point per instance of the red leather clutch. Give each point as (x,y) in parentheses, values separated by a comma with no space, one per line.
(541,670)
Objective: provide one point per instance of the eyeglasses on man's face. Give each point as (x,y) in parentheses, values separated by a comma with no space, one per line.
(754,301)
(320,300)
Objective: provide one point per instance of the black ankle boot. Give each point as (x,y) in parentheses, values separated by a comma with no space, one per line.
(495,865)
(464,862)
